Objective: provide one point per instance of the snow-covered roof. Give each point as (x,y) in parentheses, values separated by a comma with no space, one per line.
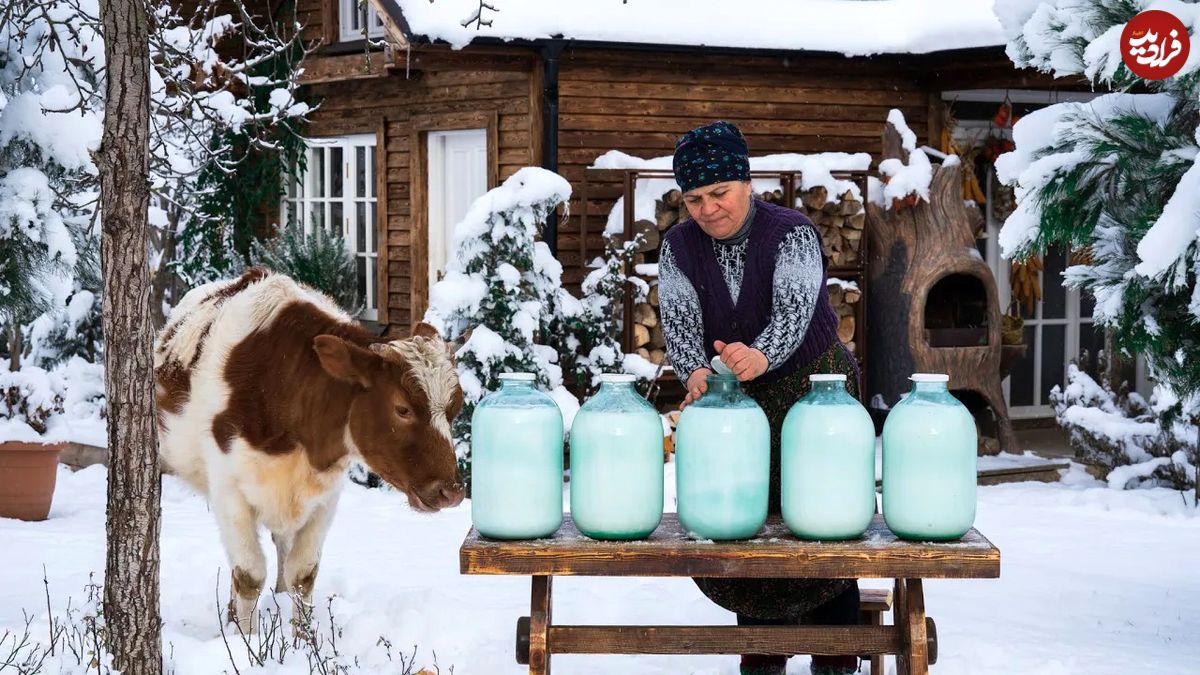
(850,27)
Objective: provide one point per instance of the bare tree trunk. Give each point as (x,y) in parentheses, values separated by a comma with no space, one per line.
(164,279)
(14,347)
(131,593)
(1113,365)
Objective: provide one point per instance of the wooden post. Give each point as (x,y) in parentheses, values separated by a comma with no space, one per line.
(900,619)
(627,309)
(539,626)
(917,648)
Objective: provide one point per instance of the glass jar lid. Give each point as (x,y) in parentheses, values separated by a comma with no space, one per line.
(929,377)
(519,377)
(617,378)
(827,377)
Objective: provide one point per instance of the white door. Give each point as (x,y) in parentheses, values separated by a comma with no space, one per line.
(457,177)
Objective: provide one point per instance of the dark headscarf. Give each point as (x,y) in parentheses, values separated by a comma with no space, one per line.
(713,153)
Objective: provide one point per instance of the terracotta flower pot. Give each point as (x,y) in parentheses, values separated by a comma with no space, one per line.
(27,476)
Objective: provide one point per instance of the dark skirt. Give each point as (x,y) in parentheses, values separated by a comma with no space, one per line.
(784,599)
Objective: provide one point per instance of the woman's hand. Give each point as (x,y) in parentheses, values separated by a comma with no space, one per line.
(746,363)
(697,384)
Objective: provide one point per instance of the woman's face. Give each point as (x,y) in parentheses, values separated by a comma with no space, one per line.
(719,208)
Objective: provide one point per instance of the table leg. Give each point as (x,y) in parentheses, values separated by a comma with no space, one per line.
(916,638)
(900,620)
(539,626)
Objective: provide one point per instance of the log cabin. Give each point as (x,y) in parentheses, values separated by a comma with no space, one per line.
(426,105)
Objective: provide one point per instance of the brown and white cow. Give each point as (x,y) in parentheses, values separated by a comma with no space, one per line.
(267,390)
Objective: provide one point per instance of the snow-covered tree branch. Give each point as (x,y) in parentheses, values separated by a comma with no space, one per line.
(1119,175)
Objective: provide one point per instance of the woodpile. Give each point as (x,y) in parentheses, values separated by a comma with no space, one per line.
(845,300)
(648,340)
(839,221)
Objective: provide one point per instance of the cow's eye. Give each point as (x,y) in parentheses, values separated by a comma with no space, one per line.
(403,411)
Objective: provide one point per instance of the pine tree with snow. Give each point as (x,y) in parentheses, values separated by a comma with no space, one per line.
(499,288)
(48,127)
(1119,176)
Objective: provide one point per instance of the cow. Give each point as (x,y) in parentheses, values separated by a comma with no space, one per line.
(267,390)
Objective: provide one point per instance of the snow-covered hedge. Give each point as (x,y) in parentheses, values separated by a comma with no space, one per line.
(65,403)
(1124,433)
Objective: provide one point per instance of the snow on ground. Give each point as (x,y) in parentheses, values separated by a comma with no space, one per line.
(1093,581)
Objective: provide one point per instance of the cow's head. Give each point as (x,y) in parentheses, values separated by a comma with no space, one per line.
(406,394)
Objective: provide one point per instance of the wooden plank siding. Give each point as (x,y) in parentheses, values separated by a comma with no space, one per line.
(636,101)
(396,105)
(640,103)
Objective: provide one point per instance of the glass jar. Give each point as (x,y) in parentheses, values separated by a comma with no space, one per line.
(617,463)
(929,463)
(827,463)
(723,463)
(517,461)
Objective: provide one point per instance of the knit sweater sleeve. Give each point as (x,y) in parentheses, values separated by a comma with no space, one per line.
(794,292)
(682,323)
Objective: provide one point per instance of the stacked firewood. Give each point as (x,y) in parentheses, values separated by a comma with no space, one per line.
(648,340)
(840,223)
(844,299)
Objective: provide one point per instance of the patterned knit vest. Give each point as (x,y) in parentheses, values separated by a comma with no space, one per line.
(744,321)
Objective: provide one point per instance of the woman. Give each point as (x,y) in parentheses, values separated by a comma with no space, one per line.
(744,280)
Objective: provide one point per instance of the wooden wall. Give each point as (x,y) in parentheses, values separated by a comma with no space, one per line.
(641,102)
(398,107)
(638,102)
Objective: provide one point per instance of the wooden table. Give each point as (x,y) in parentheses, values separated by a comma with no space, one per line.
(670,552)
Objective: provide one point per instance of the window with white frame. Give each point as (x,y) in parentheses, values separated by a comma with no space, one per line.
(355,16)
(337,193)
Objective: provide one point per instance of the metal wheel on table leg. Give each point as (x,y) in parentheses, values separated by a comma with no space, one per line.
(522,650)
(931,639)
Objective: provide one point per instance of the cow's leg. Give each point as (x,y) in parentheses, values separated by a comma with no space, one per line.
(239,534)
(304,558)
(283,544)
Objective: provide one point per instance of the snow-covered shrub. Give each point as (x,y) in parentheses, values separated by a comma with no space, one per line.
(29,396)
(63,403)
(502,298)
(1125,434)
(498,295)
(584,331)
(319,259)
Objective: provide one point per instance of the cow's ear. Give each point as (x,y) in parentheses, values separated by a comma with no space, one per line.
(425,330)
(344,361)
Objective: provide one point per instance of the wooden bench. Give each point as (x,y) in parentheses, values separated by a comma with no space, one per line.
(773,553)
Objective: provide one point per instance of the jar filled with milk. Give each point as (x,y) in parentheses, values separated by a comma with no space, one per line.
(827,463)
(617,463)
(723,463)
(517,461)
(929,463)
